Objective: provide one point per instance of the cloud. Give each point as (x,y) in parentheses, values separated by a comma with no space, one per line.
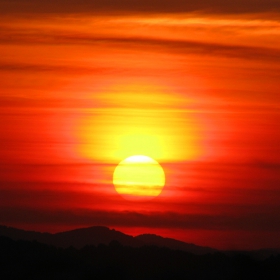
(264,164)
(257,221)
(183,47)
(144,6)
(66,69)
(56,195)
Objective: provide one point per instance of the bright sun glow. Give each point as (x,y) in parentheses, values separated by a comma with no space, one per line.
(142,119)
(139,177)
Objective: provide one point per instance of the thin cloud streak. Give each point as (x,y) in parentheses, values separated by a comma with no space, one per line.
(249,222)
(180,44)
(182,47)
(145,6)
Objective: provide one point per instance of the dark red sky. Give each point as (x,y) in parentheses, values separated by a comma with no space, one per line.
(194,86)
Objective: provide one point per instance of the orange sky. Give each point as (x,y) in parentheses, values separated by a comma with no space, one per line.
(197,90)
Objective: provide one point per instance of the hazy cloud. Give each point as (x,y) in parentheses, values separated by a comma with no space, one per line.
(178,46)
(148,6)
(254,221)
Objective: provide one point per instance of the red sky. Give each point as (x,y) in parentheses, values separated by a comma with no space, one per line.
(196,87)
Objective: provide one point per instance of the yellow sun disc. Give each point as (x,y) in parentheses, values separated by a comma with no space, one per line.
(139,177)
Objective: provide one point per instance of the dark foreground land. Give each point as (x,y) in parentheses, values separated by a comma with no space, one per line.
(33,260)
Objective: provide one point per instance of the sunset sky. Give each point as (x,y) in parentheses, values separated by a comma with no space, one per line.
(194,85)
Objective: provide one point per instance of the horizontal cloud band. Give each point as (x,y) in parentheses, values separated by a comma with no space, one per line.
(249,222)
(147,6)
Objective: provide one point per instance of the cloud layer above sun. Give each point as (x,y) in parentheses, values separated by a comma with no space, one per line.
(149,6)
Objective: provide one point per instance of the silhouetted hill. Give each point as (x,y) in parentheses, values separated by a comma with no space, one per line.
(79,238)
(33,260)
(152,239)
(260,254)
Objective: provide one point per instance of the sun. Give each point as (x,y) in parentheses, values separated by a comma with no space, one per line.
(139,177)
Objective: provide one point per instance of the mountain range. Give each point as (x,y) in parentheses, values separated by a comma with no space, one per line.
(96,235)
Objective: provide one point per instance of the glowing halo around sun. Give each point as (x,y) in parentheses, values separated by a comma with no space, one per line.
(139,177)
